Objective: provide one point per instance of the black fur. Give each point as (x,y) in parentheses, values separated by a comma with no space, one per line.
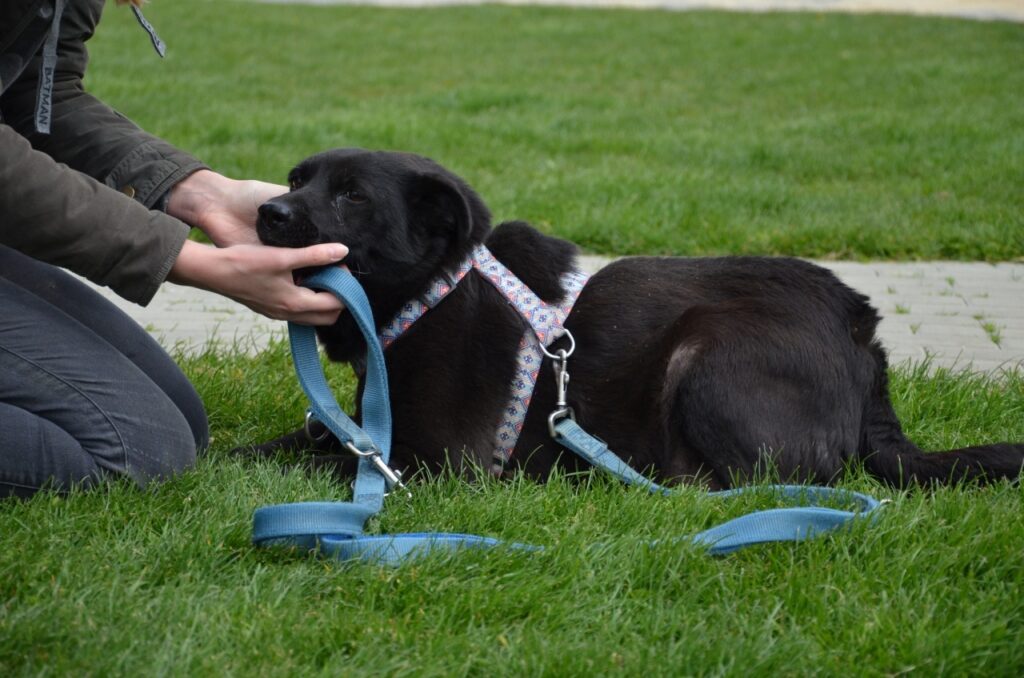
(711,369)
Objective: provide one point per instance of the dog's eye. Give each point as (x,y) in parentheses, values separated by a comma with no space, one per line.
(293,184)
(354,196)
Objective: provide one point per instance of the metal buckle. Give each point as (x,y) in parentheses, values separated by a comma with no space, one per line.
(392,478)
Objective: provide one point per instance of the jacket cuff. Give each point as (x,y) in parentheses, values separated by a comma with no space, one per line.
(149,172)
(146,292)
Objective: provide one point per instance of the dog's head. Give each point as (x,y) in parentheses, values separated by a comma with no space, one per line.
(403,217)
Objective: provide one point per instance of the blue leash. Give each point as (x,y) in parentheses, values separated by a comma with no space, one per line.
(336,528)
(759,527)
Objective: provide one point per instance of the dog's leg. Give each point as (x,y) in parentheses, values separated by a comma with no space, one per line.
(317,441)
(751,397)
(318,450)
(678,460)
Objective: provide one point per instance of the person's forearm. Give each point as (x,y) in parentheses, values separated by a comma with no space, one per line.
(65,218)
(90,137)
(194,266)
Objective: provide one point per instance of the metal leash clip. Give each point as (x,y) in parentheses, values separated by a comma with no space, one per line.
(561,367)
(392,478)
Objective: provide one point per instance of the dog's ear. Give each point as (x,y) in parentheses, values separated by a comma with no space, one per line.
(438,203)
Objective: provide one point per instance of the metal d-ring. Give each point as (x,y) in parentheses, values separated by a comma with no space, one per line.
(309,433)
(559,356)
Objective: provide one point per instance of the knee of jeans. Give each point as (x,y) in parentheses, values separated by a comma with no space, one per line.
(76,472)
(162,455)
(201,434)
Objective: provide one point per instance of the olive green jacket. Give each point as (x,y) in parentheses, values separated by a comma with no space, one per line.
(65,197)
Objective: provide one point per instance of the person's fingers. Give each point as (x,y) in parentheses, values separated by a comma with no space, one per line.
(322,312)
(308,307)
(259,192)
(319,301)
(263,191)
(316,319)
(315,255)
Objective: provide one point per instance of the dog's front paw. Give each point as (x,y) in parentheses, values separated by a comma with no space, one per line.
(317,440)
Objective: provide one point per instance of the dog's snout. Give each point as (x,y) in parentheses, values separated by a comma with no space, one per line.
(275,214)
(284,222)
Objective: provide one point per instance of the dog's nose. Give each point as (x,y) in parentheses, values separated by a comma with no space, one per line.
(275,214)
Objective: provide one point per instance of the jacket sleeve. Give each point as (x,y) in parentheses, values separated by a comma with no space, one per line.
(86,134)
(66,218)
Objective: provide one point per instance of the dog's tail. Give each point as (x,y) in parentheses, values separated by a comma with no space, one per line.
(888,455)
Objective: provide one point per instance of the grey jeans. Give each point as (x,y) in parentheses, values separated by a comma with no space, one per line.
(85,392)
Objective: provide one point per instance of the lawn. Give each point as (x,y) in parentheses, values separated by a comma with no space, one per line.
(828,136)
(690,133)
(166,582)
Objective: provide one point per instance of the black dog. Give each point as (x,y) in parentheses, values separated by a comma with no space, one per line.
(703,369)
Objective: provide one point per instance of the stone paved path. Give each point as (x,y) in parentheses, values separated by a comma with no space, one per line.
(959,313)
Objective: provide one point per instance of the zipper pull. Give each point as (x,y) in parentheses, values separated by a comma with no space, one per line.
(158,44)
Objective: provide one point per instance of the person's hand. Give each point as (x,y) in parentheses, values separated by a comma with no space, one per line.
(261,278)
(224,209)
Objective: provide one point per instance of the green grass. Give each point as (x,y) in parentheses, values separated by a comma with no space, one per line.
(165,581)
(831,136)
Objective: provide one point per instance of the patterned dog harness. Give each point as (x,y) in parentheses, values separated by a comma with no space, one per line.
(545,325)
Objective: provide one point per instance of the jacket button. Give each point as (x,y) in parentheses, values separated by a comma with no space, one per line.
(46,12)
(129,191)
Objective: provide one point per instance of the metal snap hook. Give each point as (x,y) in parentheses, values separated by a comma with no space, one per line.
(392,477)
(561,367)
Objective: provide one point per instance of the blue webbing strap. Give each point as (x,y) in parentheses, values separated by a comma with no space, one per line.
(785,524)
(376,411)
(302,524)
(336,528)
